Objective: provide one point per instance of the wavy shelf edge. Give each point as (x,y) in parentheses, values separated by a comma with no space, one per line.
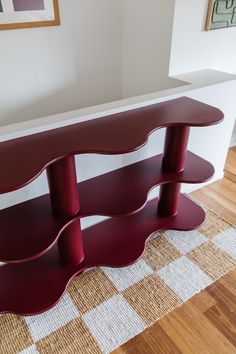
(30,155)
(116,242)
(28,230)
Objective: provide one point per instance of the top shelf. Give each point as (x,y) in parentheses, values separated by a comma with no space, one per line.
(115,134)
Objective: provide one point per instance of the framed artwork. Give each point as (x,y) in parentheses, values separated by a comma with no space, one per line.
(221,14)
(28,13)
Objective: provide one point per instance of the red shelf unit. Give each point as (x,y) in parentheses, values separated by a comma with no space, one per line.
(125,193)
(41,240)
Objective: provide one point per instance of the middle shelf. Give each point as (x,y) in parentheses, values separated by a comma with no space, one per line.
(29,229)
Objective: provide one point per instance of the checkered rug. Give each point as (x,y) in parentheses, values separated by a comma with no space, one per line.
(104,307)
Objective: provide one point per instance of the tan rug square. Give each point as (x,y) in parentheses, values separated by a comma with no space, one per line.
(151,298)
(159,252)
(212,260)
(91,289)
(213,225)
(70,339)
(14,334)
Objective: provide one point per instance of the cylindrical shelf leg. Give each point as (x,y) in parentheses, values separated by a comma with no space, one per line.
(63,187)
(64,196)
(169,199)
(70,245)
(175,149)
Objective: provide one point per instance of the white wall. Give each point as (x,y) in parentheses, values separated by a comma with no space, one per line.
(56,69)
(193,48)
(146,44)
(103,50)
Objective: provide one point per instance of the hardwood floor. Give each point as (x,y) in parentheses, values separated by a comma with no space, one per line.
(219,196)
(230,166)
(206,324)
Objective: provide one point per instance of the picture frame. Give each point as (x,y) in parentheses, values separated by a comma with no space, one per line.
(17,14)
(221,14)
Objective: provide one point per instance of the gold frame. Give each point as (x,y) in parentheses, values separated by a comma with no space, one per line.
(209,14)
(55,22)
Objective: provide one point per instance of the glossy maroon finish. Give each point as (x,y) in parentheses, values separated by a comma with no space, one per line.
(33,287)
(175,149)
(126,192)
(30,155)
(70,245)
(174,156)
(64,197)
(63,189)
(169,199)
(43,236)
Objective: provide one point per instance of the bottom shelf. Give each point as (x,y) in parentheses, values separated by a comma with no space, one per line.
(33,287)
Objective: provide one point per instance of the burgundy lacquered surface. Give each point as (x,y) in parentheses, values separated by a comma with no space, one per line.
(70,245)
(175,149)
(169,199)
(174,156)
(43,236)
(109,135)
(63,188)
(28,230)
(64,198)
(34,287)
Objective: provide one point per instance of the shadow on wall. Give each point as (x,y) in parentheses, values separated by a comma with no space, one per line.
(74,97)
(64,100)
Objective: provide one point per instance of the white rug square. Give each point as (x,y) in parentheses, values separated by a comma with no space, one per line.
(184,278)
(185,241)
(113,323)
(42,325)
(125,277)
(30,350)
(226,240)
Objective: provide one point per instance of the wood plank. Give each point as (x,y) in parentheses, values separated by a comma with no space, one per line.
(230,176)
(193,333)
(154,340)
(204,301)
(223,313)
(219,196)
(184,330)
(223,296)
(230,165)
(221,317)
(229,281)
